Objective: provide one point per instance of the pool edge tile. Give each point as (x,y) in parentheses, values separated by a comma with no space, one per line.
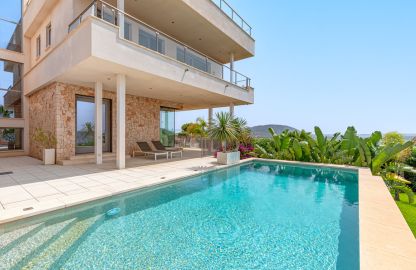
(379,218)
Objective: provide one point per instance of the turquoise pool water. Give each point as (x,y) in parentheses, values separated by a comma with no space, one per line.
(254,216)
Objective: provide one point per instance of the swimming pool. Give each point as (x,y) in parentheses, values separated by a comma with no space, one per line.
(260,215)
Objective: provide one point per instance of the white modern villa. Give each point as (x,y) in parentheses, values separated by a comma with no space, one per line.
(96,82)
(101,75)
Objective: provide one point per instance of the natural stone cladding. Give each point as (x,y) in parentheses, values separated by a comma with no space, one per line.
(53,109)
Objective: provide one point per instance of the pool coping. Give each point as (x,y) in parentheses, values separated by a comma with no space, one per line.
(386,241)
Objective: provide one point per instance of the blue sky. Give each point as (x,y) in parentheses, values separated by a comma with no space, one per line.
(330,63)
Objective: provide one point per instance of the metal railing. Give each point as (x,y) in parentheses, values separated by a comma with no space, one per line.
(147,36)
(233,15)
(10,35)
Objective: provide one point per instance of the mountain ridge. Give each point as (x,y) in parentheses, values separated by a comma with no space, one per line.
(262,131)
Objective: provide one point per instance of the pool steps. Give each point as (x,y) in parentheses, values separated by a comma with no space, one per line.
(47,246)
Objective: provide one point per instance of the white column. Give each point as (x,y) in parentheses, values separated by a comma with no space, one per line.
(120,6)
(98,131)
(121,121)
(210,114)
(232,109)
(231,67)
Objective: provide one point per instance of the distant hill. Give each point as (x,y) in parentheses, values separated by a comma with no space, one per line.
(263,131)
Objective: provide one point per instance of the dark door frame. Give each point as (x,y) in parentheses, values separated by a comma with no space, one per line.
(107,146)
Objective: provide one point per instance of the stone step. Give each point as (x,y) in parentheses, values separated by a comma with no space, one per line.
(87,159)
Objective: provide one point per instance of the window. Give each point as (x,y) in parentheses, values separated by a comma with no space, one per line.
(48,35)
(11,25)
(148,40)
(10,89)
(38,46)
(167,126)
(11,139)
(127,31)
(193,59)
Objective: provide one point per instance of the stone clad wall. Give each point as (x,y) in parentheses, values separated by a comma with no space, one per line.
(53,109)
(42,114)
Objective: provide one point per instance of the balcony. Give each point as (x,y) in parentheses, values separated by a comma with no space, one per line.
(233,15)
(139,32)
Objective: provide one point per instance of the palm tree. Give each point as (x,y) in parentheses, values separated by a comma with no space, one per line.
(224,129)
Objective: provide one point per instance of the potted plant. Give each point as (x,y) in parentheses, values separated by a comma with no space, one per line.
(48,143)
(224,128)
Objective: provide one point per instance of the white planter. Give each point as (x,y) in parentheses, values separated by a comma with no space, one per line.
(48,156)
(228,158)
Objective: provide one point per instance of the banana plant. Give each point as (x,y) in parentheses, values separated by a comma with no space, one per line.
(386,154)
(323,149)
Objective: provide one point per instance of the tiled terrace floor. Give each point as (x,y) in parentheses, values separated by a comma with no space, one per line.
(44,187)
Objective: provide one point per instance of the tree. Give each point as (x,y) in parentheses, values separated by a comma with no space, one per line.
(391,138)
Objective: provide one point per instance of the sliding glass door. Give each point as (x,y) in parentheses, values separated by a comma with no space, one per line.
(167,126)
(85,125)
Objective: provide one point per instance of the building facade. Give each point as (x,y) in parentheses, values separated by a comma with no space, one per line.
(101,75)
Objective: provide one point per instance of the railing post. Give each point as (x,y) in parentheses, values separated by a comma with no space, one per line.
(157,41)
(94,9)
(231,67)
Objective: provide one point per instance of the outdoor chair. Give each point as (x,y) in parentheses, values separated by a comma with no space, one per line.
(172,151)
(145,149)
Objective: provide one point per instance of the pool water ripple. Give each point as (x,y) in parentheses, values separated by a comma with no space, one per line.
(255,216)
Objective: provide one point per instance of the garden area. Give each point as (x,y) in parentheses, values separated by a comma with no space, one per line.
(389,156)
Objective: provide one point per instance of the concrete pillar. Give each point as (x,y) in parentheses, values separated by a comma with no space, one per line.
(210,115)
(26,139)
(231,67)
(98,131)
(232,109)
(121,121)
(120,6)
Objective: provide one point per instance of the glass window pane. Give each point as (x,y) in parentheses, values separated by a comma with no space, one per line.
(148,40)
(127,31)
(10,89)
(167,127)
(85,123)
(11,139)
(10,25)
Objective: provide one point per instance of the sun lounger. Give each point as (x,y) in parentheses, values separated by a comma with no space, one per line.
(145,149)
(172,151)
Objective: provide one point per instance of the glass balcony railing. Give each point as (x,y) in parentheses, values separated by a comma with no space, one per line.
(10,35)
(144,35)
(230,12)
